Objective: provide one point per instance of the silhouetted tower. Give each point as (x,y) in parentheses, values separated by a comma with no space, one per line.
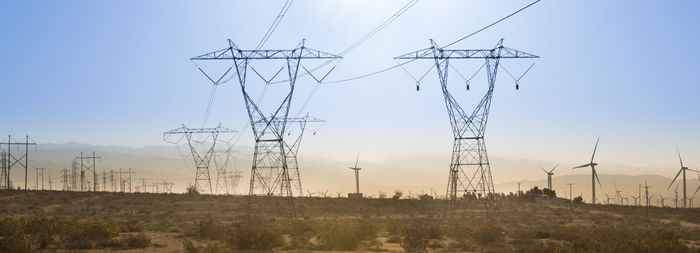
(88,164)
(74,176)
(270,173)
(357,174)
(682,170)
(202,156)
(13,160)
(66,184)
(470,169)
(550,173)
(221,162)
(3,170)
(295,132)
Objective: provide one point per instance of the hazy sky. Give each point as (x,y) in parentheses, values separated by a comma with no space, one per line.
(117,73)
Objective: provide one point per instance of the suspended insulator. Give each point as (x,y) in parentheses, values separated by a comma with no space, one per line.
(517,85)
(467,84)
(417,85)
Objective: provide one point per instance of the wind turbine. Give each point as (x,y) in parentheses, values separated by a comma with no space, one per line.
(549,176)
(618,196)
(357,175)
(683,169)
(594,174)
(608,199)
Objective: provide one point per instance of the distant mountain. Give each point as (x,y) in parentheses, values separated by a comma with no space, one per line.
(413,174)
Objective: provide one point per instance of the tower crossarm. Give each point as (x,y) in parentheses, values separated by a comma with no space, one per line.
(234,53)
(494,53)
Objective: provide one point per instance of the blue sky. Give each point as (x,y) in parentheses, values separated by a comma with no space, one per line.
(117,73)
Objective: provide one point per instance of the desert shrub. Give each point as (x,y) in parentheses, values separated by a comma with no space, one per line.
(191,189)
(189,246)
(488,234)
(214,247)
(84,234)
(253,236)
(348,236)
(138,241)
(209,229)
(414,238)
(13,238)
(300,234)
(608,238)
(131,226)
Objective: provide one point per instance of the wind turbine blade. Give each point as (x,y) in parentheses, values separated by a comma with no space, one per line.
(679,156)
(674,179)
(594,149)
(555,167)
(596,176)
(581,166)
(357,159)
(545,171)
(696,192)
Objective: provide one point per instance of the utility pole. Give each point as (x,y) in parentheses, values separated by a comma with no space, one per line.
(50,181)
(3,170)
(111,179)
(470,169)
(571,194)
(518,189)
(17,160)
(65,180)
(88,163)
(646,194)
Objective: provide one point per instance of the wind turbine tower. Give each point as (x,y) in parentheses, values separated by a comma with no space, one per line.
(682,170)
(594,175)
(550,173)
(357,193)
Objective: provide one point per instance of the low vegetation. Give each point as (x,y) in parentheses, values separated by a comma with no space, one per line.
(60,221)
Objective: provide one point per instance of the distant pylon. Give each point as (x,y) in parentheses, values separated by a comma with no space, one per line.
(202,156)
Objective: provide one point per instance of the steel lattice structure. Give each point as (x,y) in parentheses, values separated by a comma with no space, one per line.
(202,160)
(273,157)
(469,166)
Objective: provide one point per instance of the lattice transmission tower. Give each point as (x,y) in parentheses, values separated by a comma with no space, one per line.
(202,150)
(270,173)
(470,171)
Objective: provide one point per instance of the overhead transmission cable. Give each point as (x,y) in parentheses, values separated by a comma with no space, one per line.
(450,44)
(357,43)
(262,42)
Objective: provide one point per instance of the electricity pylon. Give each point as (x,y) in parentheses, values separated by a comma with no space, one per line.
(470,170)
(88,163)
(293,148)
(270,175)
(202,156)
(222,180)
(13,160)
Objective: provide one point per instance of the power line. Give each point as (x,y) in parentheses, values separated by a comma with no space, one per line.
(452,43)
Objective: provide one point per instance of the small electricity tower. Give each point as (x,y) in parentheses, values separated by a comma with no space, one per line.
(88,163)
(270,175)
(13,160)
(202,156)
(470,170)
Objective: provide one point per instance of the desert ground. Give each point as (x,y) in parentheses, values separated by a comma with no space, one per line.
(56,221)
